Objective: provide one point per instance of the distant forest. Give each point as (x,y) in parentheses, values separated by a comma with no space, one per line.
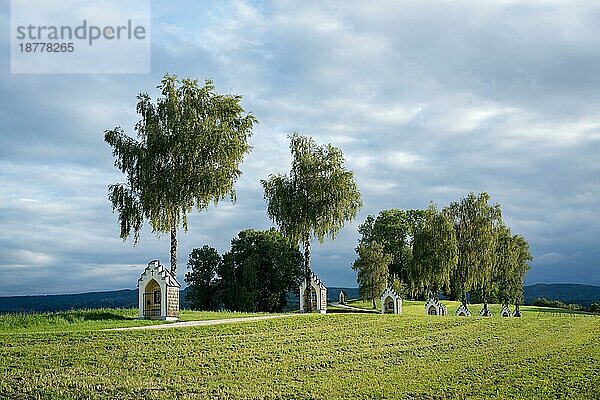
(583,295)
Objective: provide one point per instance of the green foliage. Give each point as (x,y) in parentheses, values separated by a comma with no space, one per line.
(314,357)
(317,197)
(506,263)
(400,287)
(372,267)
(394,230)
(203,265)
(255,275)
(257,272)
(475,222)
(186,155)
(465,247)
(491,295)
(434,252)
(512,264)
(522,267)
(557,304)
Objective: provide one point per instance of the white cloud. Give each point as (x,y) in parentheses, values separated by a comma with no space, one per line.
(20,258)
(472,118)
(401,159)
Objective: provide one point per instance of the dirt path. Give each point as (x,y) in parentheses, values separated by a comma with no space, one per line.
(203,323)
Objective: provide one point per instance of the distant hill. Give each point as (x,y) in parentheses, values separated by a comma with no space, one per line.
(583,295)
(568,293)
(125,298)
(333,293)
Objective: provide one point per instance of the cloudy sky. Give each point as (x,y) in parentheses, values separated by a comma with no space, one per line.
(428,101)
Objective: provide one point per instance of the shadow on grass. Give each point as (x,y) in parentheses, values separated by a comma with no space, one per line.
(337,309)
(346,311)
(95,315)
(557,312)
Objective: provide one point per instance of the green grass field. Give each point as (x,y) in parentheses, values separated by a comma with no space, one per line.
(545,354)
(91,320)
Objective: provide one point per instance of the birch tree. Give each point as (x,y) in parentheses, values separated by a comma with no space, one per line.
(315,200)
(372,268)
(434,252)
(186,155)
(475,222)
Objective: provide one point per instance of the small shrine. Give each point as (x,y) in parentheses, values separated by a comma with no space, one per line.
(434,307)
(158,293)
(318,295)
(391,302)
(342,298)
(505,312)
(463,311)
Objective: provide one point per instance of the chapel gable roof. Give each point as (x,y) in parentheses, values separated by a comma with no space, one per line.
(156,269)
(315,278)
(390,292)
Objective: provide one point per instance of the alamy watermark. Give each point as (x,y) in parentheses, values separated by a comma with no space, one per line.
(80,36)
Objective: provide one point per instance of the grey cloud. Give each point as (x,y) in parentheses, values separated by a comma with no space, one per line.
(427,101)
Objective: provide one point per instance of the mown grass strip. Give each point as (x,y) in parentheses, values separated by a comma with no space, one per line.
(315,356)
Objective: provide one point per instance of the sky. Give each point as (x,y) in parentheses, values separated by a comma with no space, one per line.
(428,101)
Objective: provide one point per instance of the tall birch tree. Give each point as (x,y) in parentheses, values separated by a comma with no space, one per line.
(186,155)
(315,200)
(434,252)
(475,223)
(372,268)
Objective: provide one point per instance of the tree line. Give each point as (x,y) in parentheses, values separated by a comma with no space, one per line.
(186,155)
(254,275)
(463,247)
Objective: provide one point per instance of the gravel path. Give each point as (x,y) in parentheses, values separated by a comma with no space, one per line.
(203,323)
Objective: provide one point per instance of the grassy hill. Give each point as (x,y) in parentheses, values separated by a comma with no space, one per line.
(545,354)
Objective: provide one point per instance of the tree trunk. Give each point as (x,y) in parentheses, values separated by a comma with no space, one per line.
(517,310)
(308,273)
(464,293)
(374,306)
(486,312)
(174,251)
